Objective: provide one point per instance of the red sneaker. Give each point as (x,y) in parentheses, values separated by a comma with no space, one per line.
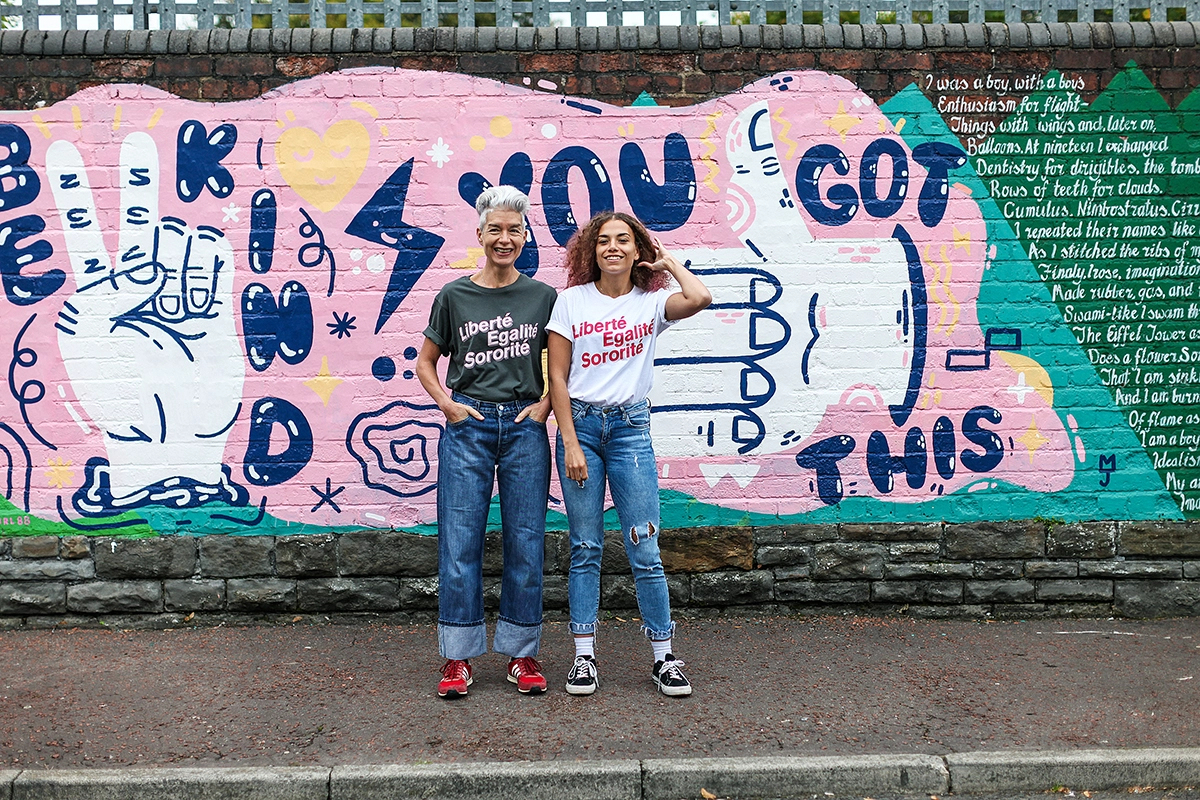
(526,673)
(456,677)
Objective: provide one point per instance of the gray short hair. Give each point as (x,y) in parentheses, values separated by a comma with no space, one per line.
(501,198)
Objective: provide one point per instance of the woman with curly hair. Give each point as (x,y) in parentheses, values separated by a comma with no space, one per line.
(601,366)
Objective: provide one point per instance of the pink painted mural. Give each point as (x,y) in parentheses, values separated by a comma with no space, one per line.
(212,312)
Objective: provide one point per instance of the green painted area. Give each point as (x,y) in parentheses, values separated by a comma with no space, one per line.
(215,518)
(1105,200)
(644,99)
(13,523)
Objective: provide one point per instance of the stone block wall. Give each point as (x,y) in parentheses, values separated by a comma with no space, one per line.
(977,570)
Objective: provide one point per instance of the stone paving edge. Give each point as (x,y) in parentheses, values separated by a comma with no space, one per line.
(619,780)
(651,779)
(1080,769)
(169,783)
(793,777)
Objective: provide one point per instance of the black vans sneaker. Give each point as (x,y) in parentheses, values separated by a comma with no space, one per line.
(582,678)
(669,678)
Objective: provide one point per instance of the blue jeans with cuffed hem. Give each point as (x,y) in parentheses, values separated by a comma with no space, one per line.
(473,455)
(616,443)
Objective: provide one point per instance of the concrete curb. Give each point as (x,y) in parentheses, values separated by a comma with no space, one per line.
(652,779)
(1083,769)
(794,777)
(233,783)
(619,780)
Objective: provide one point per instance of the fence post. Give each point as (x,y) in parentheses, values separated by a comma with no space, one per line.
(29,16)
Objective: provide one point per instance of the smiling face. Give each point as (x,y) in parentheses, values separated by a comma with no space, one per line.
(502,237)
(616,249)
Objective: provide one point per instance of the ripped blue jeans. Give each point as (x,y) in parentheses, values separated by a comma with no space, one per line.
(616,443)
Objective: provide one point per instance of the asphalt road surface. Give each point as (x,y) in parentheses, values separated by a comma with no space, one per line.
(325,694)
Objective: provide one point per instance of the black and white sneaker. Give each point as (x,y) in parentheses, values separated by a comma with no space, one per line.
(582,678)
(669,678)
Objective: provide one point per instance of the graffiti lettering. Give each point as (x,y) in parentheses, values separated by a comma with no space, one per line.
(198,155)
(269,327)
(936,157)
(19,184)
(261,466)
(19,288)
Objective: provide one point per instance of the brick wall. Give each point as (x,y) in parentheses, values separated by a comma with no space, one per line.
(677,66)
(1065,489)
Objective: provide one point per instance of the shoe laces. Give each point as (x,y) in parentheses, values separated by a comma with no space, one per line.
(455,669)
(583,667)
(525,666)
(671,668)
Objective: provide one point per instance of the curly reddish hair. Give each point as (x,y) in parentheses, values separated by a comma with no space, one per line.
(581,253)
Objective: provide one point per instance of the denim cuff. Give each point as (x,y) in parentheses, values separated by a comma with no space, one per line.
(659,636)
(461,643)
(517,641)
(583,628)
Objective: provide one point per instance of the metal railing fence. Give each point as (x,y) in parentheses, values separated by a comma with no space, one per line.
(206,14)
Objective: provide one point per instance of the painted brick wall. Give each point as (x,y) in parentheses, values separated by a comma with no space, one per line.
(950,367)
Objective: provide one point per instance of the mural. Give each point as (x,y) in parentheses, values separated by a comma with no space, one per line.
(212,313)
(1106,200)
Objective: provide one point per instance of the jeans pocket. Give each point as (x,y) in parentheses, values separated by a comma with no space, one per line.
(639,419)
(458,423)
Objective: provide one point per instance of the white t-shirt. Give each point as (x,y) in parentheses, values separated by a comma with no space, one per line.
(612,354)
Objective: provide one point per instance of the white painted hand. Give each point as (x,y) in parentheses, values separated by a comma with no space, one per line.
(149,342)
(795,325)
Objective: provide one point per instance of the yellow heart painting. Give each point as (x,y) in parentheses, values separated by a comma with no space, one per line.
(323,169)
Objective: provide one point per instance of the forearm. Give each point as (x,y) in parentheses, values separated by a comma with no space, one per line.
(558,369)
(694,292)
(427,374)
(561,402)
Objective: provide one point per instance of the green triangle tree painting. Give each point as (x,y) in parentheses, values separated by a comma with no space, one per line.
(1105,201)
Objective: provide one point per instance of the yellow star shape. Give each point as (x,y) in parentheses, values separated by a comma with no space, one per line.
(324,383)
(1033,439)
(59,475)
(962,240)
(841,122)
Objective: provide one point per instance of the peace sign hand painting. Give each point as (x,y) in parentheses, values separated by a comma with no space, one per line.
(148,338)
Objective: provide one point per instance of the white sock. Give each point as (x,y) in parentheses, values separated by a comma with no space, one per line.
(585,646)
(661,649)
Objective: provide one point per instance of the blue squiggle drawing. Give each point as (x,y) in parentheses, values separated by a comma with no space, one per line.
(393,449)
(310,230)
(12,465)
(101,526)
(31,391)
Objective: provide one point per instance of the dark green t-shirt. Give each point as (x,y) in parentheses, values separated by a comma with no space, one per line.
(494,337)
